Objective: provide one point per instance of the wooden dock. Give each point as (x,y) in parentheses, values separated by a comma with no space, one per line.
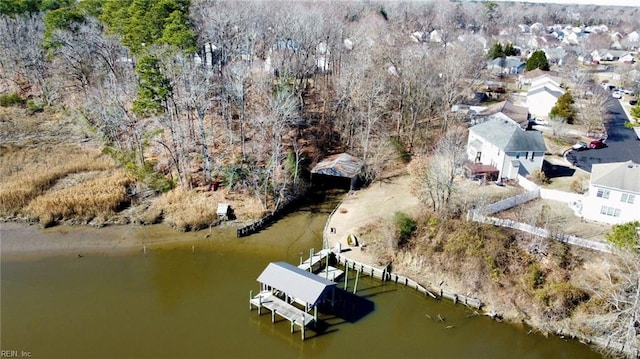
(314,259)
(266,299)
(331,273)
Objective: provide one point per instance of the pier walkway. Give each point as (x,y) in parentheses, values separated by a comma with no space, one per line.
(314,259)
(266,299)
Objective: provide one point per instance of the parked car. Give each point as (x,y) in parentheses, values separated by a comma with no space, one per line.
(580,146)
(597,144)
(616,94)
(633,102)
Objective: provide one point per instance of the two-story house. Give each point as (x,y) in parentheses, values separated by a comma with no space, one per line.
(543,95)
(502,143)
(614,193)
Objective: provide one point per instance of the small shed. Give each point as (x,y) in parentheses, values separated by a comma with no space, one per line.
(224,210)
(338,170)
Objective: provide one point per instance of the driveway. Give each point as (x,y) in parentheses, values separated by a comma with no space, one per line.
(622,143)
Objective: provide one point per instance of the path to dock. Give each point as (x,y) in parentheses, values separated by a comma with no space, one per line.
(374,204)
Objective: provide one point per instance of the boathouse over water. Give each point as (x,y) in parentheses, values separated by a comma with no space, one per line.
(339,170)
(282,285)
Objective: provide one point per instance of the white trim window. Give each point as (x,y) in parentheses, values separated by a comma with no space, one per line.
(628,198)
(602,193)
(610,211)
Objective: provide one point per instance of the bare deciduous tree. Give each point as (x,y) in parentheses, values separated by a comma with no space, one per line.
(436,179)
(23,58)
(618,288)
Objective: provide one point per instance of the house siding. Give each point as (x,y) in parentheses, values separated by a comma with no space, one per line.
(593,206)
(493,155)
(541,103)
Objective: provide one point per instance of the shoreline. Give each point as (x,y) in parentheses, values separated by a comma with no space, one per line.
(31,241)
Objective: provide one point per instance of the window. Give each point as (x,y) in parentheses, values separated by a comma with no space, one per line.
(610,211)
(603,193)
(628,198)
(478,155)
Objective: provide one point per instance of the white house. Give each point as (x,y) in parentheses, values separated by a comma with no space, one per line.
(501,143)
(542,96)
(546,79)
(614,193)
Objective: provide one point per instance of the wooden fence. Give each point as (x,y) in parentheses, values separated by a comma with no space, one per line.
(385,275)
(542,232)
(269,219)
(510,202)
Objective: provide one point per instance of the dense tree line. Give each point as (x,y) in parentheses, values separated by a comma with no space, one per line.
(193,93)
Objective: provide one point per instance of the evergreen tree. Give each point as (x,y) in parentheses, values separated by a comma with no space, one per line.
(538,60)
(625,235)
(177,32)
(496,51)
(509,50)
(564,108)
(153,87)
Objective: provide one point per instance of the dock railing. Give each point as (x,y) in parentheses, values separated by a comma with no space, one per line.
(385,274)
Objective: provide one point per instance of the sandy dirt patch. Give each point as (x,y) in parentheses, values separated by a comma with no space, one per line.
(379,202)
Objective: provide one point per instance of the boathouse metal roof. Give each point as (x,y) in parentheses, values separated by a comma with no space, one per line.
(339,165)
(295,282)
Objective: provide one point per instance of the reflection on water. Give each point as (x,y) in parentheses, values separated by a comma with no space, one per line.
(191,301)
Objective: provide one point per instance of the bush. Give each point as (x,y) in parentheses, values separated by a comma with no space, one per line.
(11,99)
(34,105)
(405,226)
(625,235)
(400,149)
(577,187)
(538,177)
(535,277)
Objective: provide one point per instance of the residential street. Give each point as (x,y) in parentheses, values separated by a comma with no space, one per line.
(622,143)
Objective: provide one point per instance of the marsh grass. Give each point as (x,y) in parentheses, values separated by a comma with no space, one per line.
(190,210)
(186,210)
(31,176)
(98,197)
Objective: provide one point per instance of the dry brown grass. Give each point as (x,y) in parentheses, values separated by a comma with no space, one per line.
(192,210)
(186,210)
(98,197)
(33,175)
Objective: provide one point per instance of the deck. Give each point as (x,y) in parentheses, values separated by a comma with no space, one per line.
(331,273)
(315,259)
(278,306)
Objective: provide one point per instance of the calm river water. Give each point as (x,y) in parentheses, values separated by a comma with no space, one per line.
(191,301)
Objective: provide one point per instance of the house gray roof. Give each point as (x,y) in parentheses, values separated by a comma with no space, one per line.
(340,165)
(624,176)
(508,136)
(541,89)
(295,282)
(506,62)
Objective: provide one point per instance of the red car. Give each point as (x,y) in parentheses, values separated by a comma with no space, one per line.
(597,144)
